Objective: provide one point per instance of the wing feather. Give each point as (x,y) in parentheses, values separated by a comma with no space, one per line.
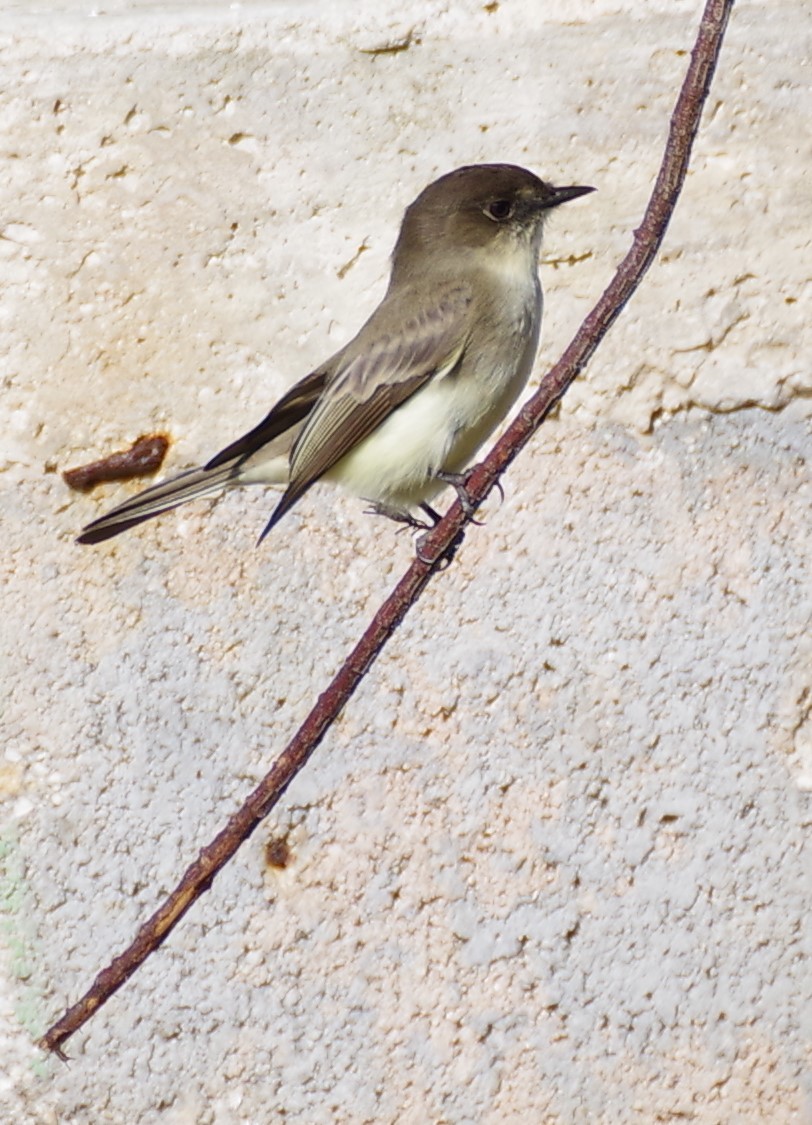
(291,409)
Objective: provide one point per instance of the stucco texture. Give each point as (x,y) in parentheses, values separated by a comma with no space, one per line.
(548,865)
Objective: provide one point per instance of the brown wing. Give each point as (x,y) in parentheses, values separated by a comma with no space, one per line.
(375,374)
(291,409)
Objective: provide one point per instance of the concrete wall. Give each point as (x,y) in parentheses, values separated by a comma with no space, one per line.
(547,868)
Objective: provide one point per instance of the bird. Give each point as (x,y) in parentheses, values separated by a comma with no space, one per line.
(399,412)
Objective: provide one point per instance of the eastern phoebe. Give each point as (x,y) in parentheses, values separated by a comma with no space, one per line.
(402,409)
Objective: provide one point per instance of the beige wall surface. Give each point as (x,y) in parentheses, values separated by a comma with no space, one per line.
(547,867)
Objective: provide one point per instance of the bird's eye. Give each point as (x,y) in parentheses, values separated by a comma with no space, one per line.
(500,209)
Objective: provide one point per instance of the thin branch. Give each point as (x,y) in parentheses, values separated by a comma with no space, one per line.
(438,545)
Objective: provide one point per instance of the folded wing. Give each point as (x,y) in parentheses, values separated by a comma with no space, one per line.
(385,364)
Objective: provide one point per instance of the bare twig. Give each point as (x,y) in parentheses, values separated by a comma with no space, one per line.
(438,544)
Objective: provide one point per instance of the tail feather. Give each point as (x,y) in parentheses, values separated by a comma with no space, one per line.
(191,485)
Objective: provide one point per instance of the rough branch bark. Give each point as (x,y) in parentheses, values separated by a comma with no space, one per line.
(438,544)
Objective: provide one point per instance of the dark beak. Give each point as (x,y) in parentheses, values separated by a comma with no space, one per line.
(559,195)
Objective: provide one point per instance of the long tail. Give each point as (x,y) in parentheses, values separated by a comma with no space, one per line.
(190,485)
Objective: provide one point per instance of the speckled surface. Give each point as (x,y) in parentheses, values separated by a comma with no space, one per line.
(548,865)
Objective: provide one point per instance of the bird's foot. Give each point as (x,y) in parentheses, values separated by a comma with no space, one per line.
(405,518)
(459,482)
